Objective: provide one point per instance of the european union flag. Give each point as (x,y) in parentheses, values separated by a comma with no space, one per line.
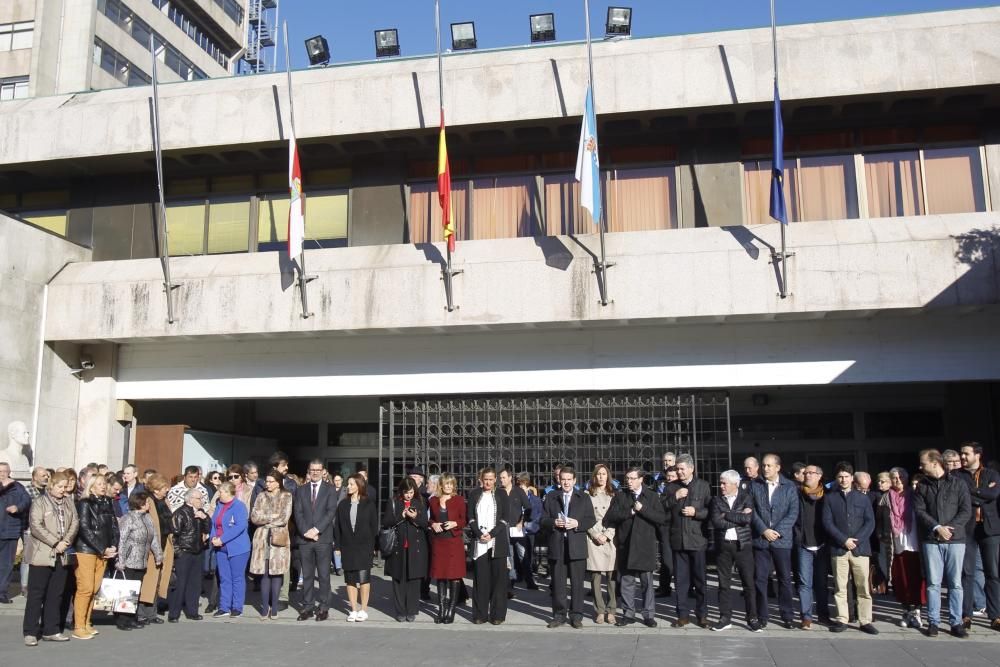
(778,164)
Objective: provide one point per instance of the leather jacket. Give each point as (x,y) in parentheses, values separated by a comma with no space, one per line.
(188,530)
(98,525)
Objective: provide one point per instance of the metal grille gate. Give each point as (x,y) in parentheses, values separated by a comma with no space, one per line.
(532,433)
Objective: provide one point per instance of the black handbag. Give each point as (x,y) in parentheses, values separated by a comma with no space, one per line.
(388,538)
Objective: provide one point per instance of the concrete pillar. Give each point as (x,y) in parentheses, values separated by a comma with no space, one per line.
(378,201)
(99,437)
(710,186)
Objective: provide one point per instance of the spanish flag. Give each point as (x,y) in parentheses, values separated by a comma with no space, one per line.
(444,189)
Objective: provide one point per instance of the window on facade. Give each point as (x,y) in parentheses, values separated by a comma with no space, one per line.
(54,221)
(326,221)
(823,426)
(904,424)
(425,212)
(954,179)
(14,89)
(641,199)
(228,225)
(816,188)
(894,184)
(118,66)
(14,36)
(504,207)
(186,228)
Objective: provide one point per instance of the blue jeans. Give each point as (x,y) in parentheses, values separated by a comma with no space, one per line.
(232,580)
(943,562)
(814,567)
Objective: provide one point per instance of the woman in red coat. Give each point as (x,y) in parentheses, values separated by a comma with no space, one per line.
(448,516)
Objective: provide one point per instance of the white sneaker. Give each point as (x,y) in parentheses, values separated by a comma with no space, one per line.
(979,612)
(352,617)
(362,615)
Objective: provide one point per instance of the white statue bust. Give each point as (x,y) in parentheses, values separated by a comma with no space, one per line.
(17,438)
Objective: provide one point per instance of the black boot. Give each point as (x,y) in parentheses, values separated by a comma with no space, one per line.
(452,597)
(442,587)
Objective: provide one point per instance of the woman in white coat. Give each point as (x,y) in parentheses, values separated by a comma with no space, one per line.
(601,547)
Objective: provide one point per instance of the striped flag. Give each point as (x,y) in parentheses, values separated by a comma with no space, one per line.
(777,210)
(444,189)
(588,165)
(296,209)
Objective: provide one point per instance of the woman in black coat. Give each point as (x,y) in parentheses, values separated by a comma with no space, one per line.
(407,565)
(355,530)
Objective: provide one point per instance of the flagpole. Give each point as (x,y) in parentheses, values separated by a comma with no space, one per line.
(168,285)
(446,272)
(602,266)
(783,292)
(303,278)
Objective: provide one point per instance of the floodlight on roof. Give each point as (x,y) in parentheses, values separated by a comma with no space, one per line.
(543,27)
(318,50)
(619,22)
(463,36)
(386,43)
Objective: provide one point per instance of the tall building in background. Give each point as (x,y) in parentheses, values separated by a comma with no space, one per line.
(50,47)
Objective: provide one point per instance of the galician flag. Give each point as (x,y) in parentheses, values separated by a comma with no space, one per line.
(778,164)
(588,166)
(296,209)
(444,189)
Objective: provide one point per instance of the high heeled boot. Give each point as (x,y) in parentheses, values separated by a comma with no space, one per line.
(442,614)
(452,599)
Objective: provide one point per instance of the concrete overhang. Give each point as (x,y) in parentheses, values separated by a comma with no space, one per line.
(660,83)
(841,269)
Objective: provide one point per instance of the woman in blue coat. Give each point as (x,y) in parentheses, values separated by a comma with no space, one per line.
(232,550)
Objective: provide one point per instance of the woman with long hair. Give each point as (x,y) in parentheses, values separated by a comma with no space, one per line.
(905,571)
(53,523)
(601,546)
(448,515)
(355,530)
(96,544)
(407,565)
(271,554)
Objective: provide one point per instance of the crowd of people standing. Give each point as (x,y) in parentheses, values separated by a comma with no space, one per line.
(773,532)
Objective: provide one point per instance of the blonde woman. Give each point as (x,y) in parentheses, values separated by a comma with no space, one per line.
(271,550)
(96,544)
(601,545)
(448,513)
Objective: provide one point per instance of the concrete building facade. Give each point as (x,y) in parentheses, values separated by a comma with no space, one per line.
(58,47)
(885,343)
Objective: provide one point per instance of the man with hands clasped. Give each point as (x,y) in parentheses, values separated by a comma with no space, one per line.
(314,506)
(635,515)
(569,514)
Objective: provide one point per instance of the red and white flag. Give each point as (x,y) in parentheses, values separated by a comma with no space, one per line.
(296,208)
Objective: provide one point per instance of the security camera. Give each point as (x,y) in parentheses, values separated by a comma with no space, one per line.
(86,363)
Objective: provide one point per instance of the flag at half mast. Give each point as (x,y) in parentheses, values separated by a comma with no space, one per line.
(444,189)
(588,165)
(296,208)
(777,210)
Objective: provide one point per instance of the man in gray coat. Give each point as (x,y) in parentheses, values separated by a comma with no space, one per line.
(635,515)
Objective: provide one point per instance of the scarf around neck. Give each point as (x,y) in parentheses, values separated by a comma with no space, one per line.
(815,492)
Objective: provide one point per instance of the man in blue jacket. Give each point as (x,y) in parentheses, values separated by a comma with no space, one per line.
(849,521)
(14,505)
(776,507)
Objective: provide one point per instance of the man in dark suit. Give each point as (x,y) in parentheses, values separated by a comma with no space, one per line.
(635,515)
(775,510)
(686,502)
(569,514)
(314,507)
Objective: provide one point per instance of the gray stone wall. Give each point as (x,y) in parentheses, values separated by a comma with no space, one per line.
(29,258)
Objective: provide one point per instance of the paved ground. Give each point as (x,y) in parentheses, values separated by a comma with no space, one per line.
(522,640)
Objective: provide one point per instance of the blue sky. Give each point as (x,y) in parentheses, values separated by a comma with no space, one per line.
(349,25)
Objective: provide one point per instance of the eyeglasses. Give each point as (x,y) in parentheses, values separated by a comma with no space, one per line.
(234,477)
